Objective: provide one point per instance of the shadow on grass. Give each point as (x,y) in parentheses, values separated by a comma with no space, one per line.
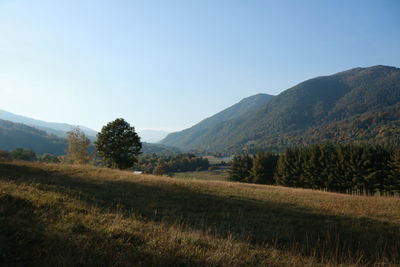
(324,236)
(25,241)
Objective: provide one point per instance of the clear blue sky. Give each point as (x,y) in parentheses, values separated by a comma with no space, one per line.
(169,64)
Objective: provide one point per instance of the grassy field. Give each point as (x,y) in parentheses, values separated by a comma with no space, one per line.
(60,215)
(203,175)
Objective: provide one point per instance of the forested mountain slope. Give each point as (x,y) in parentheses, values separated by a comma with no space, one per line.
(18,135)
(185,138)
(360,104)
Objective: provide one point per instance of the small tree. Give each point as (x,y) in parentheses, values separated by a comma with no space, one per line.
(23,154)
(118,144)
(78,145)
(46,157)
(160,168)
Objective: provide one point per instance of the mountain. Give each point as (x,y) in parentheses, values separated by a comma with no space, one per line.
(190,138)
(18,135)
(149,149)
(55,128)
(152,136)
(361,104)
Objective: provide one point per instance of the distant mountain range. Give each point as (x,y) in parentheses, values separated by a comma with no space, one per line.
(361,104)
(152,136)
(58,129)
(49,137)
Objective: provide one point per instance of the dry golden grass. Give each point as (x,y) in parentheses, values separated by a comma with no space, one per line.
(215,175)
(63,215)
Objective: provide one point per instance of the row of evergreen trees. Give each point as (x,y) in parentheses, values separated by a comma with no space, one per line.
(353,169)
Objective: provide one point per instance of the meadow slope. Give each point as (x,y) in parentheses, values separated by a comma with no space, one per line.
(62,215)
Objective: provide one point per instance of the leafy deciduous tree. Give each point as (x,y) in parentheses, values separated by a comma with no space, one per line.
(118,144)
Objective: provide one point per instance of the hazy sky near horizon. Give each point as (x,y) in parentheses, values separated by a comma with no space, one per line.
(169,64)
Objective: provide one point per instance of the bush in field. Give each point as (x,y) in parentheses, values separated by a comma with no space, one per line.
(46,157)
(23,154)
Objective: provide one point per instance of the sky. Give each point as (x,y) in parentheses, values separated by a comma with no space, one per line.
(169,64)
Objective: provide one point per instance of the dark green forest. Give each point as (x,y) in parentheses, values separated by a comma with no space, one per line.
(344,168)
(18,135)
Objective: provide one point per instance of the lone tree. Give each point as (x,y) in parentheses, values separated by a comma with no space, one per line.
(78,145)
(118,144)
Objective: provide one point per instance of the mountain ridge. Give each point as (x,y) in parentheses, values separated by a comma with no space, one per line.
(152,136)
(231,112)
(15,135)
(18,135)
(56,128)
(312,103)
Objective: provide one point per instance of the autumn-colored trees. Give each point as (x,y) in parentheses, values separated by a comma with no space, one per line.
(78,145)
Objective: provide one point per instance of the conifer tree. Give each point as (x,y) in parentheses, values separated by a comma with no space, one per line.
(393,182)
(262,171)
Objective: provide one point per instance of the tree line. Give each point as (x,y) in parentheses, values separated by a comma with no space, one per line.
(344,168)
(26,155)
(160,165)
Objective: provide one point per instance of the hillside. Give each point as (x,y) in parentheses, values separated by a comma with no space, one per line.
(360,104)
(150,148)
(55,128)
(152,136)
(62,215)
(188,138)
(18,135)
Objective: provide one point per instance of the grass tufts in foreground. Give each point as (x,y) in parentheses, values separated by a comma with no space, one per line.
(62,215)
